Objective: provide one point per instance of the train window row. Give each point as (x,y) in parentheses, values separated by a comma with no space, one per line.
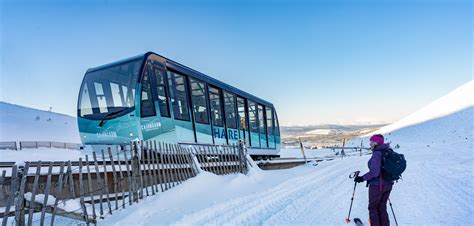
(212,105)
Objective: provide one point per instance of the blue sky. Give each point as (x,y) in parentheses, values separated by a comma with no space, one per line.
(317,61)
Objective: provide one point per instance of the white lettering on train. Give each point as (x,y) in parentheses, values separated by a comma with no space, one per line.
(151,126)
(106,134)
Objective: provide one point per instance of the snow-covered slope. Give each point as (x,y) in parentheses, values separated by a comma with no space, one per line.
(18,123)
(437,189)
(460,99)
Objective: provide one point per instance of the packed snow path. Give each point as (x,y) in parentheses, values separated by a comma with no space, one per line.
(299,200)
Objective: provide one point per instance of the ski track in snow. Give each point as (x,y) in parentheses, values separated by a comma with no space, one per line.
(274,206)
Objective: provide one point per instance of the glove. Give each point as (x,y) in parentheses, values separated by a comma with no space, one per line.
(358,179)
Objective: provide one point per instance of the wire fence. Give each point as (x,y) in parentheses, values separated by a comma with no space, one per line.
(91,190)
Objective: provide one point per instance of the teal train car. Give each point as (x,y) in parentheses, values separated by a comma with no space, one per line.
(149,97)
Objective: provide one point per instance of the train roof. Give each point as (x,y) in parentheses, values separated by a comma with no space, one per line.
(188,71)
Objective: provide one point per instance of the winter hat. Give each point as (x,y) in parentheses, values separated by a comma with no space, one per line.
(377,138)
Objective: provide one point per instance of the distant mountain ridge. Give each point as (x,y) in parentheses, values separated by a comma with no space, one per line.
(300,129)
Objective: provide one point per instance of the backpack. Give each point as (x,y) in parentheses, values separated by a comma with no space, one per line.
(393,165)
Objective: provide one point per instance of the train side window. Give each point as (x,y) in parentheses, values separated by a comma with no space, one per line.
(147,107)
(269,121)
(252,106)
(261,120)
(277,124)
(199,101)
(229,109)
(179,97)
(241,111)
(161,90)
(216,107)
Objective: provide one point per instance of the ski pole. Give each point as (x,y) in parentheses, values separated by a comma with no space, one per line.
(351,176)
(391,207)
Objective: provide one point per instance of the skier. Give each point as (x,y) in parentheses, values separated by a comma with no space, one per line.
(379,188)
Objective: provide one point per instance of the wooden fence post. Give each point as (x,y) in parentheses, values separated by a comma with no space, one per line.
(234,160)
(33,194)
(220,159)
(206,159)
(216,159)
(140,172)
(20,201)
(129,179)
(157,165)
(135,173)
(46,193)
(71,180)
(230,160)
(100,184)
(143,172)
(114,177)
(151,163)
(172,174)
(59,190)
(148,169)
(106,182)
(162,161)
(227,166)
(91,192)
(153,167)
(13,193)
(192,156)
(184,163)
(243,158)
(122,180)
(81,194)
(176,164)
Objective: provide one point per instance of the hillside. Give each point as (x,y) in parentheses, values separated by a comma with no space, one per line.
(20,123)
(458,100)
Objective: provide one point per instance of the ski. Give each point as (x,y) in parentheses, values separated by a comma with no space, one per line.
(358,222)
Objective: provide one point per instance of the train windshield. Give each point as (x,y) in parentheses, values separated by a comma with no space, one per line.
(109,92)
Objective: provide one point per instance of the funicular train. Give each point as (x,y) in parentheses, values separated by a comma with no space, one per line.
(149,97)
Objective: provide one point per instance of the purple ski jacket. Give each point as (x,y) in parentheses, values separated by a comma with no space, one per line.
(375,166)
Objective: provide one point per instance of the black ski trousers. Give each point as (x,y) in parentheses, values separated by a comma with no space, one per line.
(378,204)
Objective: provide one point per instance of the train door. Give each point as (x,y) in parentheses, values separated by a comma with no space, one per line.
(160,93)
(178,85)
(253,122)
(262,127)
(200,108)
(230,113)
(217,116)
(243,124)
(277,130)
(150,124)
(270,127)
